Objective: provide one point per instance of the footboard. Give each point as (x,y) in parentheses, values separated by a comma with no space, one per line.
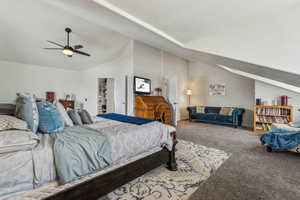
(172,165)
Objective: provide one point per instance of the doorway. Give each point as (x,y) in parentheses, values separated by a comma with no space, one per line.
(106,98)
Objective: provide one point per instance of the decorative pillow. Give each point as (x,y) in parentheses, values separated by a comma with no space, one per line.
(51,120)
(226,111)
(26,109)
(64,114)
(12,123)
(75,117)
(85,117)
(200,109)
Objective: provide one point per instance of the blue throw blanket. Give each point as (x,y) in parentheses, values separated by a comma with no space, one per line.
(126,118)
(79,151)
(280,139)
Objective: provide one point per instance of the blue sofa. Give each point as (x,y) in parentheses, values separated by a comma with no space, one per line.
(212,115)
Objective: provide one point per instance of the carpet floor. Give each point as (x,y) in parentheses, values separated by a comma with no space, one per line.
(196,163)
(250,172)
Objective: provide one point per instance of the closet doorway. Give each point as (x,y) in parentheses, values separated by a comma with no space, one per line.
(106,98)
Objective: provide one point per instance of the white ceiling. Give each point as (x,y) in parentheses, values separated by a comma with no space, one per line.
(104,29)
(27,24)
(261,32)
(188,20)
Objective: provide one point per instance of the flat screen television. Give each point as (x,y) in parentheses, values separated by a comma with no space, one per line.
(142,85)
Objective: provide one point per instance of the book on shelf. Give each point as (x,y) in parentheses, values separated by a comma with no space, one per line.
(265,116)
(263,127)
(273,111)
(272,119)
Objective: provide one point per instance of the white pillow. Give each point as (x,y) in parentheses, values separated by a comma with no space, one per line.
(64,114)
(200,109)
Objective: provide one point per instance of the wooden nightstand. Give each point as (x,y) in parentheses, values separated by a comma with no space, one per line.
(67,104)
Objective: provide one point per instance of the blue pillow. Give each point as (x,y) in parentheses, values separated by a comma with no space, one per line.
(26,109)
(75,117)
(51,120)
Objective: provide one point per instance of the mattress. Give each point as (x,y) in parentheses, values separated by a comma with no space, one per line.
(53,188)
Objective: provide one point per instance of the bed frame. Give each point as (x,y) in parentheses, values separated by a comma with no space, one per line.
(108,182)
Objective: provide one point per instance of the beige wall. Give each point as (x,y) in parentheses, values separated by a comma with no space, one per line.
(162,67)
(239,90)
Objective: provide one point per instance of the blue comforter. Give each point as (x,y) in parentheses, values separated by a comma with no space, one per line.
(126,118)
(280,139)
(79,151)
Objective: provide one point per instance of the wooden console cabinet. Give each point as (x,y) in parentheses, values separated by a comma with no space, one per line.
(153,107)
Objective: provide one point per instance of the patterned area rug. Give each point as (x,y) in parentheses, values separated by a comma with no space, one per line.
(195,164)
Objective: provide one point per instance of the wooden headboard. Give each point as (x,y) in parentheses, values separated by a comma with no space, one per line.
(7,109)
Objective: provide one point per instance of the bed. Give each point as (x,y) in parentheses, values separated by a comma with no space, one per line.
(40,170)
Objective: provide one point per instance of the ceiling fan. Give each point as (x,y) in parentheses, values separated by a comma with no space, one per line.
(68,49)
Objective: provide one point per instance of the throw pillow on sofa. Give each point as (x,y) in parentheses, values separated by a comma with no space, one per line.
(51,120)
(226,111)
(200,109)
(26,109)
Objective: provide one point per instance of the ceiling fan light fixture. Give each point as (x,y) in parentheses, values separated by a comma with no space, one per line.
(67,49)
(68,52)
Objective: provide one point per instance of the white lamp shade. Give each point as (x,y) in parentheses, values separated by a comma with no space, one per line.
(189,92)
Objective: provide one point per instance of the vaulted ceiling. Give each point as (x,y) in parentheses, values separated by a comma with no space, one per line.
(260,37)
(263,32)
(190,20)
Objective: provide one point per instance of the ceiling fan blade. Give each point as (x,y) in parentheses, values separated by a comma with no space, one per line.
(79,46)
(56,44)
(81,52)
(54,48)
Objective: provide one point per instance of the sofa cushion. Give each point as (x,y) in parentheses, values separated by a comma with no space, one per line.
(224,119)
(215,110)
(205,117)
